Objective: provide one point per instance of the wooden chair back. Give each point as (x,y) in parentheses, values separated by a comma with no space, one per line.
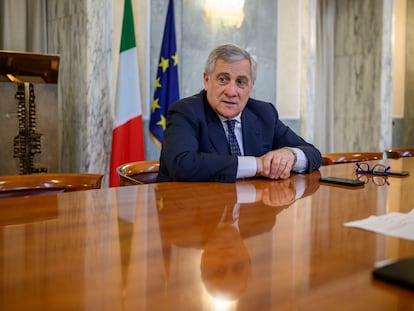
(395,153)
(346,157)
(138,173)
(41,184)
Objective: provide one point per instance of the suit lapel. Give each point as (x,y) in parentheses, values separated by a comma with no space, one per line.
(216,132)
(252,133)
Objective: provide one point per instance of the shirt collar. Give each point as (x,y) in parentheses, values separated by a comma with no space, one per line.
(237,118)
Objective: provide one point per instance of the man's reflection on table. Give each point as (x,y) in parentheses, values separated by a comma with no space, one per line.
(225,261)
(218,218)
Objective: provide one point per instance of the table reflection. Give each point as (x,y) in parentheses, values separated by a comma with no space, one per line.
(242,210)
(376,179)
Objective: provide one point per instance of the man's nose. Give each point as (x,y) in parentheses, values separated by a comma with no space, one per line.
(231,89)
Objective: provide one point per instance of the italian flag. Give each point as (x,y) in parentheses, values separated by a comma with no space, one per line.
(127,135)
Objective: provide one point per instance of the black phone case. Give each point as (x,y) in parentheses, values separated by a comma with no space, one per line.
(342,181)
(400,272)
(398,173)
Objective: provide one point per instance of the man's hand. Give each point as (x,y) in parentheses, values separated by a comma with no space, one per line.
(276,164)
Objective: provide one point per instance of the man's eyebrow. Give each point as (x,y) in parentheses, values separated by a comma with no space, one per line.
(223,73)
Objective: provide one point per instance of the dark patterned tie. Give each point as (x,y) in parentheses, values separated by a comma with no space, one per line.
(234,146)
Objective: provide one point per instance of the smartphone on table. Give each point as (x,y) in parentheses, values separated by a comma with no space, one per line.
(342,181)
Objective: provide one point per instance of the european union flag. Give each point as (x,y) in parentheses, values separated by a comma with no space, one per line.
(166,84)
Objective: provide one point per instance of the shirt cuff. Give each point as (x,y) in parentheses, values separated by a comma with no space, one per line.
(301,161)
(246,167)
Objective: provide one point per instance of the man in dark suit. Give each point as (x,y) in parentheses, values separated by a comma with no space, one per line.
(200,142)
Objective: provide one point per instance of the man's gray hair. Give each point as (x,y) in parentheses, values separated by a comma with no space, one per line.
(230,53)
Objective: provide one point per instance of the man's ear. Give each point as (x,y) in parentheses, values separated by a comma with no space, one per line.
(206,78)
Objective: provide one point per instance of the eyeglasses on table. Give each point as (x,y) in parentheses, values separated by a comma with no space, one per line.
(377,169)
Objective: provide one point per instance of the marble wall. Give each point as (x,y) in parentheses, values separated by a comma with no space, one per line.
(79,31)
(366,81)
(358,65)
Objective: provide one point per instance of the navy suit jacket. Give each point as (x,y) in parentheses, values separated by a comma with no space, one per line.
(195,146)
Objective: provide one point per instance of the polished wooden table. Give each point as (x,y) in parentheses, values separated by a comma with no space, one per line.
(251,245)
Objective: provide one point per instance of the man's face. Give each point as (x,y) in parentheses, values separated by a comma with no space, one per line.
(228,87)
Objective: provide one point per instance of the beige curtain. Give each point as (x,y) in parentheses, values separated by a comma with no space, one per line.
(23,25)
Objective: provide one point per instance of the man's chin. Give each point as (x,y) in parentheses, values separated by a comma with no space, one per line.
(229,113)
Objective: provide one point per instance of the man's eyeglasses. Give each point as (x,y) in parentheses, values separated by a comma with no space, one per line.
(377,169)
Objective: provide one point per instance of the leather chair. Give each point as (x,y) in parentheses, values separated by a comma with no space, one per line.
(346,157)
(42,184)
(138,173)
(395,153)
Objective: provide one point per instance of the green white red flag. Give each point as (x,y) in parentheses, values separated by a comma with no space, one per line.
(127,134)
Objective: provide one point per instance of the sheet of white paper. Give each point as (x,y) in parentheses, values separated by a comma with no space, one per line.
(395,224)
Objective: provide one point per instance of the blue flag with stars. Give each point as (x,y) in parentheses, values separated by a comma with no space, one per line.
(166,84)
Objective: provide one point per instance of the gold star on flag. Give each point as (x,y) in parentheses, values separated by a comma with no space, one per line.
(164,63)
(175,59)
(162,122)
(157,84)
(155,104)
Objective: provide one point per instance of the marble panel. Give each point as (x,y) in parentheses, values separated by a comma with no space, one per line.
(357,75)
(356,87)
(308,100)
(358,26)
(355,135)
(63,8)
(98,123)
(68,39)
(79,31)
(388,79)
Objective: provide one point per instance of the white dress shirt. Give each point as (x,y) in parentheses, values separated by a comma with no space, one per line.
(247,164)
